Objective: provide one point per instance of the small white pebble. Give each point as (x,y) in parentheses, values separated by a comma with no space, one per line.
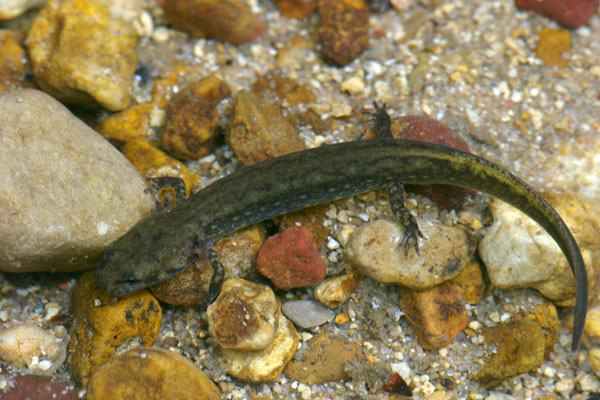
(475,325)
(548,372)
(161,34)
(332,244)
(494,316)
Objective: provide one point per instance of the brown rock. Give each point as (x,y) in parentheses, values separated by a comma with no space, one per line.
(568,13)
(82,208)
(130,124)
(344,29)
(103,324)
(552,47)
(260,131)
(237,252)
(291,259)
(229,21)
(245,316)
(546,316)
(192,118)
(322,359)
(514,348)
(151,374)
(470,283)
(13,65)
(154,163)
(437,315)
(38,388)
(265,365)
(279,89)
(295,8)
(81,55)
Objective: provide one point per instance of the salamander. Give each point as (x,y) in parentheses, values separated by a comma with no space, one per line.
(164,243)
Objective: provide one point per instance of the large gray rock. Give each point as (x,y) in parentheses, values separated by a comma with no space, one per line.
(65,193)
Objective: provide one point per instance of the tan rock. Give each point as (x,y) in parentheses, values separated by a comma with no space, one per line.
(518,253)
(281,89)
(265,365)
(29,346)
(81,55)
(192,118)
(546,316)
(470,283)
(102,325)
(151,374)
(69,194)
(260,131)
(237,252)
(322,359)
(374,250)
(130,124)
(513,348)
(437,315)
(335,291)
(245,316)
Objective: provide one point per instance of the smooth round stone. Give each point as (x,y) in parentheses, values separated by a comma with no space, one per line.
(67,193)
(306,313)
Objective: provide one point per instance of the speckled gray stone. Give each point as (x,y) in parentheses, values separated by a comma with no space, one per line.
(66,194)
(307,314)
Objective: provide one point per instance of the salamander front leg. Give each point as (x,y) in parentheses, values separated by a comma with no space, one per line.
(205,248)
(411,233)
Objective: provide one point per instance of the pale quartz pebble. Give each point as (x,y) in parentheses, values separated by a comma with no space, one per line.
(10,9)
(519,253)
(265,365)
(245,316)
(68,194)
(335,291)
(28,345)
(374,250)
(588,383)
(595,361)
(499,396)
(592,324)
(353,85)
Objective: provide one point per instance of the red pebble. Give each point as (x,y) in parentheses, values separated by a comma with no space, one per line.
(416,127)
(568,13)
(291,259)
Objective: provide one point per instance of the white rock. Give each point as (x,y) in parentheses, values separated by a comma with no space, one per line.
(374,250)
(28,345)
(10,9)
(67,193)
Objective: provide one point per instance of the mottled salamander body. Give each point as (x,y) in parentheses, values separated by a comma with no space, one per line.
(163,244)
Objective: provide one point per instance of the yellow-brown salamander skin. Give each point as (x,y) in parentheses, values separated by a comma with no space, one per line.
(163,244)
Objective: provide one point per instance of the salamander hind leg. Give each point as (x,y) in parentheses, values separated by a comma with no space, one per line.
(206,249)
(411,233)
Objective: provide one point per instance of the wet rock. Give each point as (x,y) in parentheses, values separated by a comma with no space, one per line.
(103,324)
(322,359)
(568,13)
(373,249)
(83,56)
(553,47)
(151,374)
(279,89)
(344,30)
(10,9)
(260,131)
(592,325)
(595,360)
(29,346)
(192,118)
(130,124)
(546,316)
(38,387)
(437,315)
(307,314)
(518,253)
(335,291)
(245,316)
(310,217)
(291,259)
(154,163)
(265,365)
(13,64)
(69,193)
(295,8)
(514,348)
(237,252)
(230,21)
(470,283)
